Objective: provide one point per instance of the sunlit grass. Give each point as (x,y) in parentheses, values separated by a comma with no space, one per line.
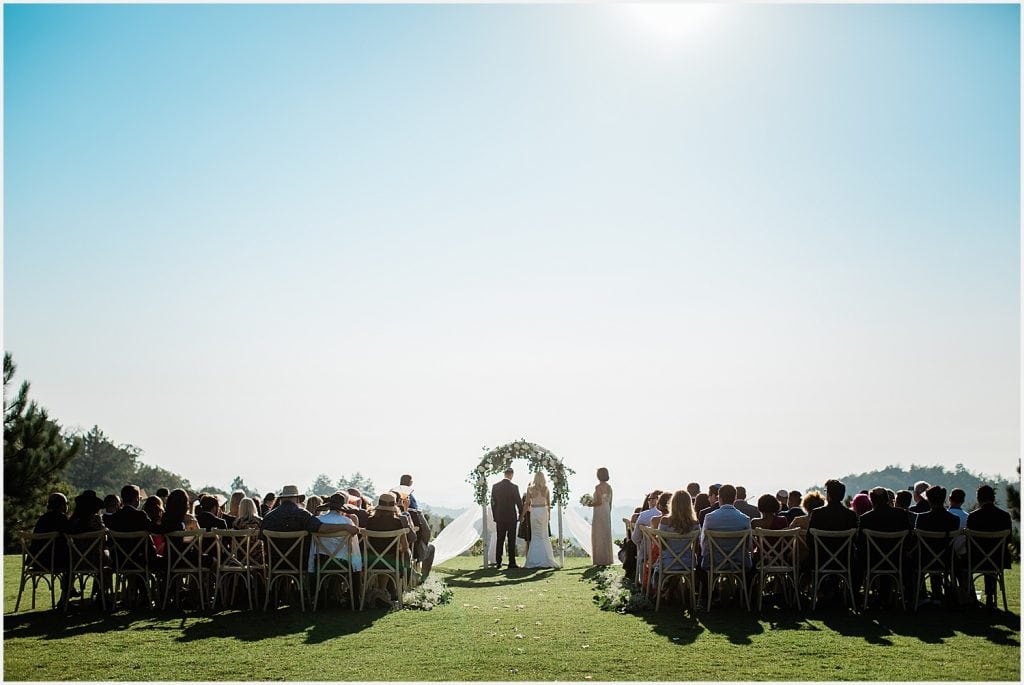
(530,625)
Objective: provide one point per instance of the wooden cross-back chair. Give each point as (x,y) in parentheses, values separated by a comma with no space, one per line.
(777,559)
(727,563)
(133,558)
(986,556)
(934,552)
(383,563)
(673,563)
(833,558)
(39,564)
(184,554)
(286,562)
(239,560)
(325,549)
(884,559)
(87,560)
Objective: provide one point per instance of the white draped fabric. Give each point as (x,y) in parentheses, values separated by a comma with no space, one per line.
(461,533)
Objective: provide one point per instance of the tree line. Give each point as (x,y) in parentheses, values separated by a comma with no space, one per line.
(41,457)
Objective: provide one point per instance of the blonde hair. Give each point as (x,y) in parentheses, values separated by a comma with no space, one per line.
(236,497)
(540,485)
(247,509)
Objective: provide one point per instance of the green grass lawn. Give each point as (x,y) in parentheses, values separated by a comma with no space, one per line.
(531,625)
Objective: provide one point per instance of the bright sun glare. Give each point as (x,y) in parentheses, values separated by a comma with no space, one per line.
(671,22)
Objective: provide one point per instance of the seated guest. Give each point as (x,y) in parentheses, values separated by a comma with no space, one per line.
(313,504)
(741,503)
(422,550)
(884,518)
(956,507)
(644,519)
(355,508)
(812,500)
(207,517)
(268,504)
(86,516)
(55,520)
(701,502)
(693,489)
(111,504)
(833,516)
(162,494)
(289,516)
(920,501)
(385,518)
(405,487)
(680,519)
(903,499)
(783,497)
(247,518)
(725,518)
(937,520)
(662,506)
(769,517)
(175,510)
(713,506)
(989,518)
(236,498)
(332,513)
(793,509)
(130,519)
(861,503)
(154,508)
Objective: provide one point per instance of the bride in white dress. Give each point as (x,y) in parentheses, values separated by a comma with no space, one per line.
(538,503)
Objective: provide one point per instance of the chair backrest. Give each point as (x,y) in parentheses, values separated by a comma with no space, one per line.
(384,558)
(131,551)
(184,550)
(647,541)
(236,548)
(38,557)
(727,550)
(675,548)
(986,551)
(332,544)
(884,551)
(86,550)
(777,547)
(833,549)
(934,549)
(284,552)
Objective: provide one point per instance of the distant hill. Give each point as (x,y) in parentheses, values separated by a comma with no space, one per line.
(441,512)
(897,478)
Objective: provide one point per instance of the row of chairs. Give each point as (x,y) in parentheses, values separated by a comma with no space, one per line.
(225,558)
(779,556)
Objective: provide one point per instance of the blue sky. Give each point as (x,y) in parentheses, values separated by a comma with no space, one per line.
(767,244)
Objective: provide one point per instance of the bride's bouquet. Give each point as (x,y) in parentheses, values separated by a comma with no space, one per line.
(587,500)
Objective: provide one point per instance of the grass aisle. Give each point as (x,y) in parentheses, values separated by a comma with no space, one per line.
(529,625)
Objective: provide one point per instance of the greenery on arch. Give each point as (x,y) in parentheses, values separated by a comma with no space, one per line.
(539,459)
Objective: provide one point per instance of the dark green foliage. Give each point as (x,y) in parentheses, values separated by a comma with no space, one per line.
(322,485)
(213,490)
(35,455)
(897,478)
(150,478)
(101,465)
(239,484)
(358,481)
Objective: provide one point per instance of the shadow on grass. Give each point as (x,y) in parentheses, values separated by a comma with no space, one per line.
(319,627)
(931,625)
(488,577)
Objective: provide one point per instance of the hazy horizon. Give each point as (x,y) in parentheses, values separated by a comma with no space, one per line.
(769,244)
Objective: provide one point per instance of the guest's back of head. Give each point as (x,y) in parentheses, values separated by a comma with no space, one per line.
(693,489)
(663,501)
(727,494)
(812,500)
(768,504)
(835,490)
(154,508)
(701,502)
(903,499)
(879,498)
(936,496)
(681,516)
(957,497)
(986,494)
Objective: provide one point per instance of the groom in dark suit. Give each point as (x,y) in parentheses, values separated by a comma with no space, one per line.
(506,505)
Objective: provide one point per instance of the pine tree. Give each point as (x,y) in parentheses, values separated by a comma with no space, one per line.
(36,453)
(239,484)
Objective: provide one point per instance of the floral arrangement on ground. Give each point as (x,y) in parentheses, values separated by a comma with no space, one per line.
(430,593)
(539,459)
(615,592)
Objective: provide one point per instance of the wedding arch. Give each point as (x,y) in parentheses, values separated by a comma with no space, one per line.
(539,458)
